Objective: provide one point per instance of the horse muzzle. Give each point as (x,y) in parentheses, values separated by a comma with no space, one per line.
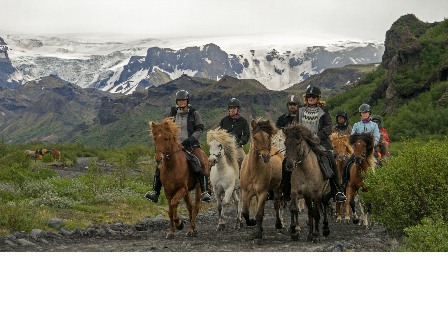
(342,158)
(265,157)
(212,161)
(359,159)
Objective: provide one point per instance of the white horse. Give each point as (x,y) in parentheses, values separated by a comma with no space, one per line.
(278,141)
(224,173)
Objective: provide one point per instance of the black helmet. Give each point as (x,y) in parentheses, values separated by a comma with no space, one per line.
(341,113)
(364,108)
(234,102)
(292,99)
(182,94)
(313,90)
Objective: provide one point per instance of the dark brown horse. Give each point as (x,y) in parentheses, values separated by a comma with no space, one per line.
(261,171)
(306,180)
(362,144)
(342,150)
(175,174)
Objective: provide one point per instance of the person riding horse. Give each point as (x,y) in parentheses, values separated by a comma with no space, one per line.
(236,125)
(342,127)
(315,116)
(377,119)
(366,125)
(191,126)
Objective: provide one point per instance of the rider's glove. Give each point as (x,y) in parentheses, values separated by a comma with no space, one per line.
(186,143)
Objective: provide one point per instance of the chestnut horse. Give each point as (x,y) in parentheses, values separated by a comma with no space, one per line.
(175,174)
(261,171)
(343,150)
(306,180)
(382,147)
(363,149)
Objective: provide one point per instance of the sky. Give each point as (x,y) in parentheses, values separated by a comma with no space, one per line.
(154,18)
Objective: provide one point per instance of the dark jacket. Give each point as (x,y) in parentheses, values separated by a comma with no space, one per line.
(195,127)
(325,128)
(239,128)
(284,120)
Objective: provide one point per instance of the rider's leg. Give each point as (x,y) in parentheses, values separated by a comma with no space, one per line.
(336,189)
(203,175)
(153,195)
(285,185)
(346,172)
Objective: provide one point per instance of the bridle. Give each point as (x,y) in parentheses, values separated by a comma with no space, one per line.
(166,154)
(268,148)
(299,160)
(219,155)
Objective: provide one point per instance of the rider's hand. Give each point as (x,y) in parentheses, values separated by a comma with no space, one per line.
(185,143)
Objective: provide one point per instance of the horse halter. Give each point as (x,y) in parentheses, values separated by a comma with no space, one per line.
(268,148)
(299,160)
(219,155)
(166,154)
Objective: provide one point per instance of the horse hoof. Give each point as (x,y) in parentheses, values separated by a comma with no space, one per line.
(279,230)
(316,240)
(220,227)
(295,237)
(347,221)
(170,236)
(192,234)
(338,220)
(326,232)
(252,222)
(257,241)
(309,238)
(355,221)
(181,226)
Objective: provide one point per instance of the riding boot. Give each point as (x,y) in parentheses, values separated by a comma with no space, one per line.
(153,195)
(336,190)
(203,183)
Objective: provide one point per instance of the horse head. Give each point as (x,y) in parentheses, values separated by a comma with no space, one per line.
(298,143)
(262,132)
(165,138)
(362,144)
(340,146)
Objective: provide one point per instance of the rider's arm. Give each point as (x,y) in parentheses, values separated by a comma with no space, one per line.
(386,136)
(198,126)
(246,133)
(376,133)
(326,128)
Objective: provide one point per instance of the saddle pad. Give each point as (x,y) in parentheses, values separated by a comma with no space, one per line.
(193,161)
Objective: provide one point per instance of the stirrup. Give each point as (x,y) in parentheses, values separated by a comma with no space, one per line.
(205,197)
(340,197)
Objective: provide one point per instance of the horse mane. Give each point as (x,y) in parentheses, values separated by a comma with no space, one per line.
(228,141)
(168,126)
(336,138)
(299,131)
(278,140)
(265,125)
(382,144)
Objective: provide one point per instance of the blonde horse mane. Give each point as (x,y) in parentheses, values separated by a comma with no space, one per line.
(278,140)
(227,141)
(335,138)
(167,125)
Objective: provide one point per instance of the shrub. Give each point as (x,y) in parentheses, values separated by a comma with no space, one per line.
(47,158)
(17,217)
(412,186)
(429,236)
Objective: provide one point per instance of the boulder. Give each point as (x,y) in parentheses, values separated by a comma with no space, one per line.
(55,223)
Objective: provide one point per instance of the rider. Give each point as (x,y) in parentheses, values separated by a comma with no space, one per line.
(342,127)
(366,125)
(236,125)
(377,119)
(292,104)
(315,116)
(191,128)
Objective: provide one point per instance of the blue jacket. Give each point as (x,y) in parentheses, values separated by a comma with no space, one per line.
(369,127)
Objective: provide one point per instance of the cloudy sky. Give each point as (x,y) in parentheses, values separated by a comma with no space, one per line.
(154,18)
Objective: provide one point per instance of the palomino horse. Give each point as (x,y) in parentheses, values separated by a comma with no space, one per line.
(343,150)
(175,174)
(306,181)
(261,171)
(224,173)
(363,149)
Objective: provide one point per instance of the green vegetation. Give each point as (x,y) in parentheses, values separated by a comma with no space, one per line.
(411,187)
(429,236)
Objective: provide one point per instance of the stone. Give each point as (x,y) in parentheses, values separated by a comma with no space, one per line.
(25,242)
(65,231)
(338,247)
(159,217)
(184,218)
(21,234)
(11,237)
(10,243)
(143,226)
(35,233)
(55,223)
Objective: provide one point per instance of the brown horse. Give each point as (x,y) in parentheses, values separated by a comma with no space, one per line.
(56,154)
(342,150)
(34,154)
(306,181)
(261,171)
(363,149)
(382,147)
(175,174)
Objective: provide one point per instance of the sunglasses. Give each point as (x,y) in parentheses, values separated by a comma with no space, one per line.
(293,104)
(312,96)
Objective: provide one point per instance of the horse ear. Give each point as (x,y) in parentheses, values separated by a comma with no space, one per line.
(153,126)
(253,124)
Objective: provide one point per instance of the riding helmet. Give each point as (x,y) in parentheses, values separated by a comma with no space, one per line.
(364,108)
(234,102)
(313,90)
(293,99)
(341,113)
(182,94)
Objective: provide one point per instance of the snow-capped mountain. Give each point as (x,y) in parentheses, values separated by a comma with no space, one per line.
(123,65)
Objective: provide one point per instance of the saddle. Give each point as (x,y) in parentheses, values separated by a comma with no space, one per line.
(325,167)
(193,161)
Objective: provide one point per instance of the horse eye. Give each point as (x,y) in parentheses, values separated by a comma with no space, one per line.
(220,146)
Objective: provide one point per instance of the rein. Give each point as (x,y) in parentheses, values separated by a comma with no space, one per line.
(298,160)
(167,153)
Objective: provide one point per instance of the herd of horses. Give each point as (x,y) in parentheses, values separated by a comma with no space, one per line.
(261,172)
(38,152)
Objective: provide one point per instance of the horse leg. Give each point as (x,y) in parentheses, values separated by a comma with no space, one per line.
(294,226)
(338,213)
(316,217)
(218,195)
(192,231)
(227,194)
(246,205)
(309,205)
(326,228)
(364,220)
(279,217)
(352,205)
(174,217)
(170,234)
(347,204)
(259,216)
(236,195)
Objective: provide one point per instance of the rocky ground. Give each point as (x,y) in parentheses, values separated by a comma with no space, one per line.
(149,235)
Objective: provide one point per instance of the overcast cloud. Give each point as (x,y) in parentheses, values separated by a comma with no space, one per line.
(154,18)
